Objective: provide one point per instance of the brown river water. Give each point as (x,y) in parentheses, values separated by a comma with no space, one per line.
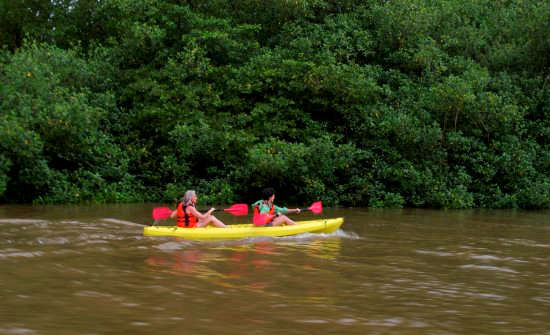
(90,270)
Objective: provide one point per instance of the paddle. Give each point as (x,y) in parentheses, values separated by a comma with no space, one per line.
(162,213)
(316,207)
(237,209)
(261,219)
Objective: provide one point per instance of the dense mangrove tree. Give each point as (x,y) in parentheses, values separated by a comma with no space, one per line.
(402,103)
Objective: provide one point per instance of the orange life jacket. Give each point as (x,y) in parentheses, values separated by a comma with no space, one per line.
(185,220)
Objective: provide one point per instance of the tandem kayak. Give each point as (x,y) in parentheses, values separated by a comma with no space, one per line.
(238,231)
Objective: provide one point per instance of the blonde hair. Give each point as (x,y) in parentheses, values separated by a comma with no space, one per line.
(188,196)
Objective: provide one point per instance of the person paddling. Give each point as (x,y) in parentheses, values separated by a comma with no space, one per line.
(275,214)
(189,217)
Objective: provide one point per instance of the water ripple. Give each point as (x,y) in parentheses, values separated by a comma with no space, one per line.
(346,321)
(16,253)
(122,222)
(525,242)
(489,296)
(53,240)
(437,253)
(390,322)
(23,221)
(544,300)
(486,267)
(315,321)
(17,331)
(486,258)
(94,294)
(339,233)
(168,246)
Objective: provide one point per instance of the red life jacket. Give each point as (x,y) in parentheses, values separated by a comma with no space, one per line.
(185,220)
(271,214)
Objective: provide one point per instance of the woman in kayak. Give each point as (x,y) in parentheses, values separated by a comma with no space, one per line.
(274,214)
(189,217)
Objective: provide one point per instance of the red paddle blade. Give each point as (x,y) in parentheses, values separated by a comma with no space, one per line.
(261,219)
(161,213)
(316,207)
(238,209)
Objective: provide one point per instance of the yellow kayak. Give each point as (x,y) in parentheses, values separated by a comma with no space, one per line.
(245,230)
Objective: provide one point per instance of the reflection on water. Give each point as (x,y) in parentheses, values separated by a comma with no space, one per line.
(231,265)
(89,270)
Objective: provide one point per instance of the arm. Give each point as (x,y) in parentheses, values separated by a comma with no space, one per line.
(284,210)
(295,210)
(198,214)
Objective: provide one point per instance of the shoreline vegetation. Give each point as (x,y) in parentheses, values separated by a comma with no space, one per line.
(406,103)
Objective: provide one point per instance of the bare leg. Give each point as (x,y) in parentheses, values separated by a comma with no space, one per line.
(210,220)
(282,220)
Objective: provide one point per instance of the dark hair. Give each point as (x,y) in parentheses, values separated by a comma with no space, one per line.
(267,193)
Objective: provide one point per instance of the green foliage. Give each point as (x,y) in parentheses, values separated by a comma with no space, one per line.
(406,103)
(53,124)
(5,164)
(317,169)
